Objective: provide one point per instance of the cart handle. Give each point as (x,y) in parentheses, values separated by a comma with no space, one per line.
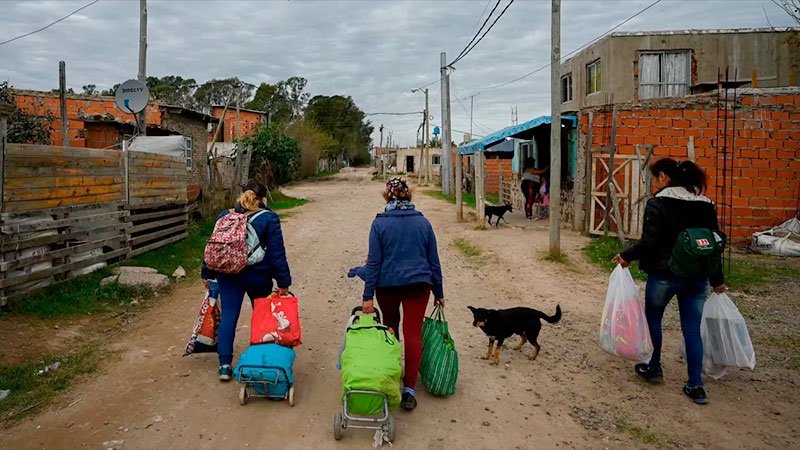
(358,309)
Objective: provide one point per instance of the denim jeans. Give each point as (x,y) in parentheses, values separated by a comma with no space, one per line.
(692,294)
(257,284)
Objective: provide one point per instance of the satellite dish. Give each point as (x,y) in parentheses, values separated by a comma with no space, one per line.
(132,96)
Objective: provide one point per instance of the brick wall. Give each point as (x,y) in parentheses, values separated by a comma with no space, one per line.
(493,168)
(763,143)
(197,130)
(247,119)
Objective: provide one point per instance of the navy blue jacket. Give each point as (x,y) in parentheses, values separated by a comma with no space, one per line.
(402,251)
(274,264)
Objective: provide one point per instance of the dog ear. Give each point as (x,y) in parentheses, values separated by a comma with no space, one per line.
(471,308)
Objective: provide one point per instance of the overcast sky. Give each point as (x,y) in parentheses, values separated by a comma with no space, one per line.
(373,50)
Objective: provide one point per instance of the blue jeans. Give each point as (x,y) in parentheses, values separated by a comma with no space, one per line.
(692,294)
(257,284)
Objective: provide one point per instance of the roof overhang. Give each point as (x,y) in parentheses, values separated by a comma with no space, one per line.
(519,131)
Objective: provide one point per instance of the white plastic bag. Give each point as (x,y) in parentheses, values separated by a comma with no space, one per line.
(724,333)
(709,368)
(623,326)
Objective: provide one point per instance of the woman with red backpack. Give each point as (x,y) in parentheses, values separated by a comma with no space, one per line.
(264,262)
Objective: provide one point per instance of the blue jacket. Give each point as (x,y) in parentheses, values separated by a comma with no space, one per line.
(274,264)
(402,251)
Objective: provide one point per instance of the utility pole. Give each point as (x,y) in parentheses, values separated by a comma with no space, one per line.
(381,130)
(62,94)
(143,60)
(427,139)
(445,81)
(471,104)
(555,131)
(237,174)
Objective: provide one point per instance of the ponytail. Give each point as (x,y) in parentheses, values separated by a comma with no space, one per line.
(685,174)
(249,200)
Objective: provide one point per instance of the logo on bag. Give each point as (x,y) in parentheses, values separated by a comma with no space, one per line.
(702,242)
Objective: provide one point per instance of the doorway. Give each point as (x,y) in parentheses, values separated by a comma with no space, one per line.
(409,164)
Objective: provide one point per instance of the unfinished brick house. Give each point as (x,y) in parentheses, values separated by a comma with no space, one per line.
(96,122)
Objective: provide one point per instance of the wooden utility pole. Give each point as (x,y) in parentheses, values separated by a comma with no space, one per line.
(457,187)
(479,159)
(143,60)
(445,81)
(237,173)
(555,130)
(62,96)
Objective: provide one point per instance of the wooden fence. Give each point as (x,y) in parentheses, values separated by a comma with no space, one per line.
(69,211)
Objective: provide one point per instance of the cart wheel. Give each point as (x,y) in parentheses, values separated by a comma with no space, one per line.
(291,396)
(338,426)
(389,427)
(243,395)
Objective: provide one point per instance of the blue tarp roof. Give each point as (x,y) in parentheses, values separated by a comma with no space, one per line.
(480,145)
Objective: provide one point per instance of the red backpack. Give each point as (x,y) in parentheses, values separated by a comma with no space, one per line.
(227,249)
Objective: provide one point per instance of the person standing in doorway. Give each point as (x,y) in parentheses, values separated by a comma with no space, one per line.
(531,182)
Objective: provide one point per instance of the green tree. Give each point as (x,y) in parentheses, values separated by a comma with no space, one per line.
(345,122)
(217,92)
(284,100)
(111,92)
(275,157)
(314,143)
(24,128)
(173,90)
(90,89)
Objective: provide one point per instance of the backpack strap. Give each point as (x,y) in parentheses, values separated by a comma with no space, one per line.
(251,215)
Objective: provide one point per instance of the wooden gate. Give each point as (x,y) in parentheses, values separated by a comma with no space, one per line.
(626,205)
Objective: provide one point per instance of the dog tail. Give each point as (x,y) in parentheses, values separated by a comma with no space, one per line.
(555,317)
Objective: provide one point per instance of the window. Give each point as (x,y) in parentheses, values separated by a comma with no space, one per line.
(664,74)
(593,77)
(188,152)
(436,159)
(566,88)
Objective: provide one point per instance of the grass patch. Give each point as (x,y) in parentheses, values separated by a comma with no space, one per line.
(641,434)
(282,201)
(325,173)
(789,345)
(467,198)
(466,247)
(30,392)
(562,259)
(601,250)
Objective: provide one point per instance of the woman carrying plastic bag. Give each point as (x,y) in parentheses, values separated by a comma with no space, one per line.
(623,327)
(724,333)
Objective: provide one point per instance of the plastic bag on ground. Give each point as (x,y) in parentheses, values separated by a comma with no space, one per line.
(724,334)
(623,326)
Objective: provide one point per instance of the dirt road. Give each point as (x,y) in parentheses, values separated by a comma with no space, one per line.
(572,396)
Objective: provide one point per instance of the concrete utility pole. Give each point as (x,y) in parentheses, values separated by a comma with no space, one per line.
(445,81)
(427,139)
(143,60)
(471,104)
(62,95)
(555,131)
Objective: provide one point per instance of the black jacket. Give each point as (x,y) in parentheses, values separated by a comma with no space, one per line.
(671,211)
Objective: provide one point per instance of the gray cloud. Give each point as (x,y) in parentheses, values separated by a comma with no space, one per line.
(375,51)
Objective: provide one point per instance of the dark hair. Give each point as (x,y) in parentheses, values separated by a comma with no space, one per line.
(530,163)
(685,174)
(259,189)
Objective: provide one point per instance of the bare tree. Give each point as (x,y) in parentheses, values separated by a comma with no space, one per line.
(792,8)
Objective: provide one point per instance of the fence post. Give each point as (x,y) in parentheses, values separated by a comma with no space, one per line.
(125,172)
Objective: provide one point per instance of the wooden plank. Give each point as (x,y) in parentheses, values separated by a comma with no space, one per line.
(82,235)
(156,245)
(612,150)
(60,161)
(158,171)
(27,194)
(51,172)
(90,219)
(62,210)
(49,256)
(167,212)
(169,184)
(588,176)
(29,150)
(155,163)
(156,157)
(13,281)
(171,192)
(61,182)
(150,203)
(55,203)
(159,223)
(133,242)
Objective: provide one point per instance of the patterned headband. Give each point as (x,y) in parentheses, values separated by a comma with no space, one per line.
(397,188)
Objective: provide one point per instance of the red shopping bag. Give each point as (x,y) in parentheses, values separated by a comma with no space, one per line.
(276,320)
(204,332)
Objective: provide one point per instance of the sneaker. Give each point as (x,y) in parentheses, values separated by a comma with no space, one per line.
(651,374)
(225,372)
(696,393)
(408,402)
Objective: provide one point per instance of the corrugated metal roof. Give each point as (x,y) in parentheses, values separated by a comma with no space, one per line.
(480,145)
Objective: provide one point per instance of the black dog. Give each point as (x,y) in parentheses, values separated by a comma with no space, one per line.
(498,211)
(500,324)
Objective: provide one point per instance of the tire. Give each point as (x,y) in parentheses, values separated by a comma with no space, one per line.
(338,426)
(243,395)
(389,427)
(291,396)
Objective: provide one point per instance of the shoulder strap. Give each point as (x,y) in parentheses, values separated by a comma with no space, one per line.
(251,215)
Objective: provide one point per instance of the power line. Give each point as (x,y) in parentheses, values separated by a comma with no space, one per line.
(394,113)
(577,49)
(483,35)
(51,24)
(477,33)
(481,16)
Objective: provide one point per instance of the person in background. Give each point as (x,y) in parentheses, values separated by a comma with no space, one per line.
(402,269)
(678,204)
(531,182)
(254,280)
